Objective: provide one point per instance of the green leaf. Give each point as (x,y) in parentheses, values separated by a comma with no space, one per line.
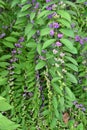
(45,31)
(5,57)
(28,28)
(25,7)
(56,88)
(70,94)
(67,32)
(80,1)
(71,78)
(31,44)
(64,14)
(53,123)
(2,80)
(30,34)
(72,60)
(72,66)
(39,48)
(11,39)
(40,65)
(64,22)
(32,15)
(55,103)
(43,13)
(48,43)
(6,124)
(8,44)
(73,50)
(80,127)
(67,43)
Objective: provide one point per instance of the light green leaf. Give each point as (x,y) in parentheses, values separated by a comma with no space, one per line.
(65,14)
(11,39)
(55,103)
(70,94)
(71,78)
(72,60)
(64,23)
(30,34)
(4,57)
(73,50)
(67,43)
(39,48)
(72,66)
(40,65)
(28,28)
(6,124)
(43,13)
(32,15)
(67,32)
(25,7)
(48,43)
(45,31)
(2,80)
(8,44)
(53,123)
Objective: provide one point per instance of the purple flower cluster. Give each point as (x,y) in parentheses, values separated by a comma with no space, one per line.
(54,25)
(79,106)
(2,35)
(80,40)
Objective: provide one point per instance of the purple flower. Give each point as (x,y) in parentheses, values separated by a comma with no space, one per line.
(18,45)
(14,51)
(21,39)
(85,3)
(60,35)
(36,6)
(47,1)
(51,25)
(85,39)
(83,109)
(52,32)
(49,8)
(50,16)
(81,41)
(58,44)
(2,35)
(73,25)
(56,25)
(75,102)
(77,38)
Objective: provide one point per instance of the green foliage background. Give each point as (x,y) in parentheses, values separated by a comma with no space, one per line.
(39,84)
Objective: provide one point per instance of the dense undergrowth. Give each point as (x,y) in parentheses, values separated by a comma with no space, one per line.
(43,65)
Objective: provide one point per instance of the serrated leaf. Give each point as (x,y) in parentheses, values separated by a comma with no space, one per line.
(41,14)
(6,124)
(56,88)
(25,7)
(72,60)
(64,23)
(48,43)
(2,80)
(70,94)
(32,15)
(67,43)
(53,123)
(11,39)
(71,78)
(73,50)
(45,31)
(8,44)
(72,66)
(4,57)
(30,34)
(28,28)
(39,48)
(40,65)
(55,103)
(67,32)
(65,14)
